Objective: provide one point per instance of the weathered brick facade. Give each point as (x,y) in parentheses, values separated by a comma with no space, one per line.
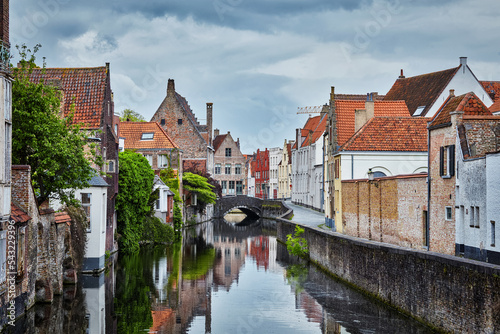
(389,209)
(229,164)
(177,119)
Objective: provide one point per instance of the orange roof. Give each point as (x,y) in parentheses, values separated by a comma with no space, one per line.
(421,90)
(492,88)
(62,217)
(401,134)
(495,107)
(84,88)
(17,214)
(469,103)
(218,141)
(345,111)
(133,131)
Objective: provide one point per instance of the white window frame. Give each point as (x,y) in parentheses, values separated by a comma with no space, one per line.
(3,256)
(492,233)
(149,158)
(448,209)
(89,206)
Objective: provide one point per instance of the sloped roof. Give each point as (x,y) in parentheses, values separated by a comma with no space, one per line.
(375,95)
(469,103)
(17,214)
(345,111)
(289,149)
(421,90)
(62,217)
(399,134)
(132,132)
(492,88)
(98,181)
(495,107)
(218,141)
(82,87)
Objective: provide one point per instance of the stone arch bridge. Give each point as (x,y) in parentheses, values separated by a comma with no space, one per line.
(253,207)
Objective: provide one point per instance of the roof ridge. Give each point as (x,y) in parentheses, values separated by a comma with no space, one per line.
(430,73)
(166,134)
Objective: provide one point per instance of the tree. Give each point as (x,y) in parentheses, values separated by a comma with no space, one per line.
(132,203)
(58,151)
(198,184)
(128,115)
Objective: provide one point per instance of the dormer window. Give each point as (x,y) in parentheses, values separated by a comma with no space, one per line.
(147,136)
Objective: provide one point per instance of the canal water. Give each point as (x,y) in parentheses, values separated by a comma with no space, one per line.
(224,277)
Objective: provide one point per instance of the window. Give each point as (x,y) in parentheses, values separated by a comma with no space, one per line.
(217,169)
(492,225)
(111,166)
(448,213)
(419,110)
(86,205)
(447,161)
(116,129)
(3,256)
(162,121)
(231,187)
(227,170)
(224,187)
(228,152)
(162,161)
(474,216)
(239,188)
(7,98)
(379,174)
(149,158)
(147,136)
(237,169)
(179,121)
(337,168)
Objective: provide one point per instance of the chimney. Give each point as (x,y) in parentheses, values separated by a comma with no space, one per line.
(452,93)
(463,61)
(359,119)
(332,94)
(209,122)
(216,132)
(401,76)
(297,137)
(170,88)
(370,107)
(238,142)
(4,22)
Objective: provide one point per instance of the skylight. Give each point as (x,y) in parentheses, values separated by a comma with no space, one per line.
(419,110)
(147,135)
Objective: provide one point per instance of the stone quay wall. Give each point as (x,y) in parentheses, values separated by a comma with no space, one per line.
(448,293)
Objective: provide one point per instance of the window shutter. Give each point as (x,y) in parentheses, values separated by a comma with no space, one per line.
(452,160)
(441,161)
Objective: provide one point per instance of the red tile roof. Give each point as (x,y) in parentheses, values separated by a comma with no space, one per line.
(421,90)
(17,214)
(345,110)
(495,107)
(469,103)
(218,141)
(62,217)
(82,87)
(492,88)
(132,132)
(400,134)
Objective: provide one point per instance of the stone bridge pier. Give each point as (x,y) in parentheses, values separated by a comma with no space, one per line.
(253,207)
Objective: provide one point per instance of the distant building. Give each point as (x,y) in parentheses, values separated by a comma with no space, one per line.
(195,140)
(250,171)
(275,155)
(285,171)
(229,164)
(261,166)
(165,204)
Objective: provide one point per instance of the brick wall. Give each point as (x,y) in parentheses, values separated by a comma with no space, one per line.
(388,209)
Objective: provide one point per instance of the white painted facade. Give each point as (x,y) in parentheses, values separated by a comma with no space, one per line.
(5,145)
(161,207)
(307,175)
(250,182)
(463,82)
(493,203)
(275,154)
(95,300)
(355,164)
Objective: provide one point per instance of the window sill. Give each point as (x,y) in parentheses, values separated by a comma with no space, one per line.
(446,176)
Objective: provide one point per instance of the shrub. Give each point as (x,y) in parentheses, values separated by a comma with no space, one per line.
(297,245)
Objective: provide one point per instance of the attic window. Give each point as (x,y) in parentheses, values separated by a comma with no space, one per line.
(419,111)
(179,121)
(147,136)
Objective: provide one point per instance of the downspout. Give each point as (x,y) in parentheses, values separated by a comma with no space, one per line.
(323,180)
(427,225)
(352,167)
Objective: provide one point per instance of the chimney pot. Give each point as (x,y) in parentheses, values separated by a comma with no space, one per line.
(401,76)
(216,132)
(170,87)
(452,92)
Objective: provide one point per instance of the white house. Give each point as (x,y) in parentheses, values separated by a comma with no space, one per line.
(285,171)
(307,164)
(493,207)
(163,206)
(274,160)
(95,301)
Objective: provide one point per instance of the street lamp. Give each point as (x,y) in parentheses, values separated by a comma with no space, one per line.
(370,174)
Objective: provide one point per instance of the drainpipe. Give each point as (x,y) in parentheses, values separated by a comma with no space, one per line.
(352,167)
(323,180)
(427,227)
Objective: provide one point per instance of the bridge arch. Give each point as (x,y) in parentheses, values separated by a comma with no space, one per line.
(253,207)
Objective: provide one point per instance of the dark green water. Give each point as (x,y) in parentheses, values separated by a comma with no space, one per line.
(223,278)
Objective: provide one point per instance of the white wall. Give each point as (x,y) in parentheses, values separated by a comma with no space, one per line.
(274,159)
(95,300)
(5,146)
(307,169)
(493,199)
(355,165)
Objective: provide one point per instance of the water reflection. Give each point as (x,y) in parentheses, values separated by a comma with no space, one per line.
(222,278)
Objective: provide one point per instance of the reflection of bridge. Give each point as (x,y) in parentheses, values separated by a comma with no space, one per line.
(253,207)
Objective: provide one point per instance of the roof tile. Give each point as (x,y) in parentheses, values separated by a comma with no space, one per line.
(469,103)
(132,132)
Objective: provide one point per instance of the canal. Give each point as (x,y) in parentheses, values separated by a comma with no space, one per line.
(224,277)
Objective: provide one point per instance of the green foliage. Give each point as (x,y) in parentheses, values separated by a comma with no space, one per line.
(177,221)
(155,231)
(44,139)
(296,275)
(297,245)
(132,203)
(198,266)
(169,177)
(78,229)
(198,184)
(128,115)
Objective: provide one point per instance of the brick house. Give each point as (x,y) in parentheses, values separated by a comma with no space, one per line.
(346,114)
(307,163)
(261,168)
(425,93)
(383,147)
(194,139)
(285,171)
(229,164)
(87,92)
(461,135)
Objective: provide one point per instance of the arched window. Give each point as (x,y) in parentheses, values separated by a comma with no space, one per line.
(379,174)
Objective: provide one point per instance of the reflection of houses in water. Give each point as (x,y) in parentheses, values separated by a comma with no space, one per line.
(230,257)
(160,276)
(259,250)
(95,300)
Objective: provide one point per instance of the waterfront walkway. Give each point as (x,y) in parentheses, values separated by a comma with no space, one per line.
(306,216)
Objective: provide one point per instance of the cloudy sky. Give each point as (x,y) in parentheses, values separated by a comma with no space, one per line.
(258,60)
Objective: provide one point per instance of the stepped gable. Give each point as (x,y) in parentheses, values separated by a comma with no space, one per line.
(84,89)
(402,134)
(421,90)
